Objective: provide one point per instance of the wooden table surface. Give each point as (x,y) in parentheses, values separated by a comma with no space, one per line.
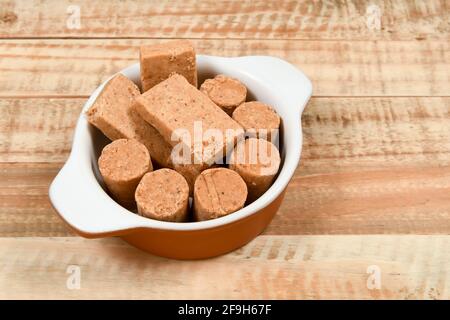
(372,191)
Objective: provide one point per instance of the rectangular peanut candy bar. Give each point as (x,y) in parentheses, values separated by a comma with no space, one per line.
(175,108)
(112,114)
(159,61)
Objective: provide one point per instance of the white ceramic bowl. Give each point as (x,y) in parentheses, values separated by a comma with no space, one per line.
(79,198)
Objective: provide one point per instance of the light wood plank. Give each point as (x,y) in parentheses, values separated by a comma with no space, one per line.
(37,130)
(367,201)
(25,208)
(389,201)
(270,267)
(338,132)
(336,68)
(369,165)
(376,132)
(260,19)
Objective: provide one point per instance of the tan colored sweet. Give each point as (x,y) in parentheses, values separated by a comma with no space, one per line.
(226,92)
(122,164)
(257,161)
(160,61)
(113,115)
(217,193)
(179,111)
(163,195)
(258,119)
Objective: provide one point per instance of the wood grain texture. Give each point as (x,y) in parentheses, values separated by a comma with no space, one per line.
(336,68)
(376,132)
(37,130)
(369,165)
(25,208)
(376,149)
(371,132)
(389,201)
(270,267)
(259,19)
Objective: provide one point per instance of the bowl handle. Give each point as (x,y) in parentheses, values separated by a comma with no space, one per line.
(82,203)
(290,84)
